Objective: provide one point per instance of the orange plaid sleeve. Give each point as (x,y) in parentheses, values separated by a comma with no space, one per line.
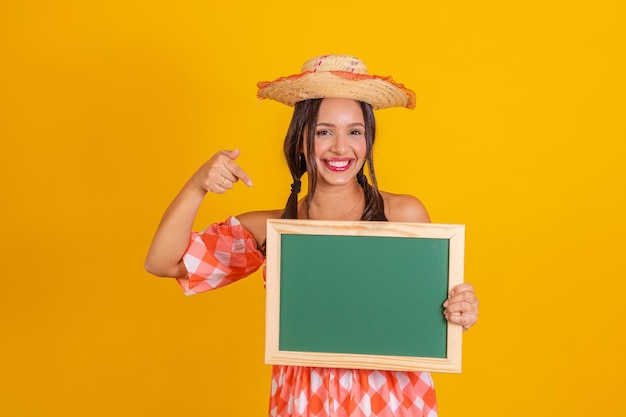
(222,254)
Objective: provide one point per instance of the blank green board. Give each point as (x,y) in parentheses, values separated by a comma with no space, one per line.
(363,295)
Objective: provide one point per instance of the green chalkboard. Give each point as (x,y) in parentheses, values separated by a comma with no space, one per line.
(362,294)
(343,294)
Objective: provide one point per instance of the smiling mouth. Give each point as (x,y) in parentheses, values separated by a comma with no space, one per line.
(338,165)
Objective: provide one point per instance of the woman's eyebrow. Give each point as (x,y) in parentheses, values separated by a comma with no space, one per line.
(332,125)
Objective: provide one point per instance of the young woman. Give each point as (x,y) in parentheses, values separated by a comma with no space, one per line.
(330,138)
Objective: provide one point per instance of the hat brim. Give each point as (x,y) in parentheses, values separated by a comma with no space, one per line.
(380,92)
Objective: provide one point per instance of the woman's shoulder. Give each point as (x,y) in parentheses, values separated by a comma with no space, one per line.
(404,208)
(256,222)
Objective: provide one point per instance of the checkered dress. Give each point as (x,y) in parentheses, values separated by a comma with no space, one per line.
(227,252)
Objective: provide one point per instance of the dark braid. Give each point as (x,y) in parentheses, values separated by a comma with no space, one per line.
(304,114)
(291,209)
(374,204)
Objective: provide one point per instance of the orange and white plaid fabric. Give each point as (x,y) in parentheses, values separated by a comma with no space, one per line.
(222,254)
(226,252)
(299,391)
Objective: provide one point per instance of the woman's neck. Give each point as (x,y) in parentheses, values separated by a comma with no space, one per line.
(347,204)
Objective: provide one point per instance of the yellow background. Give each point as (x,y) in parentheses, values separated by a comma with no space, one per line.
(106,108)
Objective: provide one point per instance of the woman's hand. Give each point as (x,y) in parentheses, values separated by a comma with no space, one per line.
(220,173)
(461,307)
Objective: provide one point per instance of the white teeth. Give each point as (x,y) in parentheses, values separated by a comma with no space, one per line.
(338,164)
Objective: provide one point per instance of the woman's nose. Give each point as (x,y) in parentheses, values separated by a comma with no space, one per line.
(339,144)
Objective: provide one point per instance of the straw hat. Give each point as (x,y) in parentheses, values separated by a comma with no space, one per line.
(337,76)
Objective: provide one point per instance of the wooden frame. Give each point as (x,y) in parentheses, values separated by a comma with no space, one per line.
(278,230)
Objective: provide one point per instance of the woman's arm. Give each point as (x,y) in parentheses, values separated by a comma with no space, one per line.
(171,239)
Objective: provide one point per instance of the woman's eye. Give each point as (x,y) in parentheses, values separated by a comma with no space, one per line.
(323,132)
(356,132)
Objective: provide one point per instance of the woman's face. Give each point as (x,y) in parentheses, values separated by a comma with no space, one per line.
(340,145)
